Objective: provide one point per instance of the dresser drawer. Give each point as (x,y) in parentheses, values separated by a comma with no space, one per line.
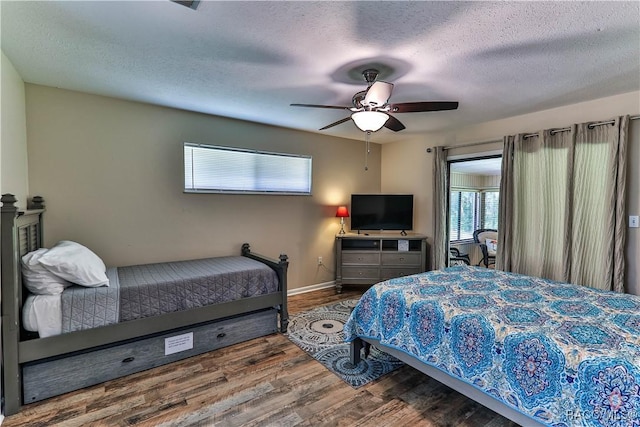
(387,273)
(360,258)
(52,377)
(360,273)
(402,258)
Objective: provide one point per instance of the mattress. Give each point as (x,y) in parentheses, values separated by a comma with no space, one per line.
(562,354)
(154,289)
(77,308)
(140,291)
(86,308)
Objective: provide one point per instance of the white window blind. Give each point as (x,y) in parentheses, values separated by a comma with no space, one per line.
(215,169)
(463,215)
(470,210)
(490,200)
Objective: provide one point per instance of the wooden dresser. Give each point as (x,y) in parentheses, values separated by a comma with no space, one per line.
(365,259)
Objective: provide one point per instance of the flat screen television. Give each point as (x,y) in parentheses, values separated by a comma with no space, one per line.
(382,212)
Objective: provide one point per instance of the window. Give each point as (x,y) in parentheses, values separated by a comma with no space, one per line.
(464,214)
(214,169)
(474,195)
(489,218)
(471,210)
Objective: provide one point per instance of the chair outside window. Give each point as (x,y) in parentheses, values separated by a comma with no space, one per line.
(487,239)
(456,258)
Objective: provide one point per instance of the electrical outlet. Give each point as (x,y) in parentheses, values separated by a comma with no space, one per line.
(319,260)
(633,221)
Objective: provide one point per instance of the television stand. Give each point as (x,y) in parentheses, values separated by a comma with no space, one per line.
(366,259)
(402,233)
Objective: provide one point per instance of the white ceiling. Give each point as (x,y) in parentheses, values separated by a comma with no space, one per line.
(250,60)
(491,166)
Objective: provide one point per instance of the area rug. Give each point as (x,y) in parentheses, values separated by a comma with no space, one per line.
(319,333)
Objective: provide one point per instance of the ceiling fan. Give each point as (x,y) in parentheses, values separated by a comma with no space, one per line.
(371,107)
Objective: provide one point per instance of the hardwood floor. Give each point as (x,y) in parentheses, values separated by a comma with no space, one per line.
(268,381)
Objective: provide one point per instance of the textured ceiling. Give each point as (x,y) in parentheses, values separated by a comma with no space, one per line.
(478,167)
(250,60)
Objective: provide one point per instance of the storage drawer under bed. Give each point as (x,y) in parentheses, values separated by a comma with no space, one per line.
(53,377)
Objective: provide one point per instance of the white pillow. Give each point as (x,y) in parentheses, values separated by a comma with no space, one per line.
(75,263)
(37,278)
(492,246)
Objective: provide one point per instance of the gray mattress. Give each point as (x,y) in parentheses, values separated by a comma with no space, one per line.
(140,291)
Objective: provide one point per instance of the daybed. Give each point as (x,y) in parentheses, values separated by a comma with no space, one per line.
(536,351)
(196,312)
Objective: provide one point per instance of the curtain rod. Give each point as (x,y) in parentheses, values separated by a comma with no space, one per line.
(554,131)
(590,126)
(471,144)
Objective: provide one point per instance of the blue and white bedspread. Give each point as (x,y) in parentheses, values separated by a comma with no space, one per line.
(565,355)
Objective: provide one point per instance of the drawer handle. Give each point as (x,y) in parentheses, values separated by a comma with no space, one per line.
(222,335)
(128,359)
(401,259)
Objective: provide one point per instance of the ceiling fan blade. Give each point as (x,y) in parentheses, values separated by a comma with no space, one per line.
(337,107)
(346,119)
(393,124)
(378,94)
(416,107)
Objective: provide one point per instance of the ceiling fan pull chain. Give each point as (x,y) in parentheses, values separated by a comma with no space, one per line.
(367,150)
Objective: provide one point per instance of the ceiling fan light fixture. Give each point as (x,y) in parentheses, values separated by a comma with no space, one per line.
(369,121)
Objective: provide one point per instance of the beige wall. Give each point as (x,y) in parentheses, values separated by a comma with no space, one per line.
(118,164)
(13,137)
(407,167)
(633,208)
(111,173)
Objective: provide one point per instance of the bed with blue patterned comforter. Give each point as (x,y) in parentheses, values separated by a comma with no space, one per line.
(562,354)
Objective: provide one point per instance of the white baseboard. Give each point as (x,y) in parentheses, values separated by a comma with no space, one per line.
(311,288)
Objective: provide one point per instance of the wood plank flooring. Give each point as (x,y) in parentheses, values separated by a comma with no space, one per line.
(268,381)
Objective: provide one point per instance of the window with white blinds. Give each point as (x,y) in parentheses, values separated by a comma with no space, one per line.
(464,214)
(471,210)
(489,216)
(215,169)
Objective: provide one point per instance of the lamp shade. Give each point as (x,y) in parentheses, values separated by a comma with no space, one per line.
(369,120)
(342,212)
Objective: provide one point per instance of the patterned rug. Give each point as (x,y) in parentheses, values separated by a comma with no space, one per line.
(319,333)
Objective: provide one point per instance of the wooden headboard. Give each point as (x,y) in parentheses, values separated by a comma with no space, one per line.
(21,233)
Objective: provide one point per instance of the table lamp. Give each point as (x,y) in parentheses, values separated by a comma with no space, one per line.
(342,213)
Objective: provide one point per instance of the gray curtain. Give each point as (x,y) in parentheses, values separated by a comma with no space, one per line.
(562,204)
(440,215)
(505,217)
